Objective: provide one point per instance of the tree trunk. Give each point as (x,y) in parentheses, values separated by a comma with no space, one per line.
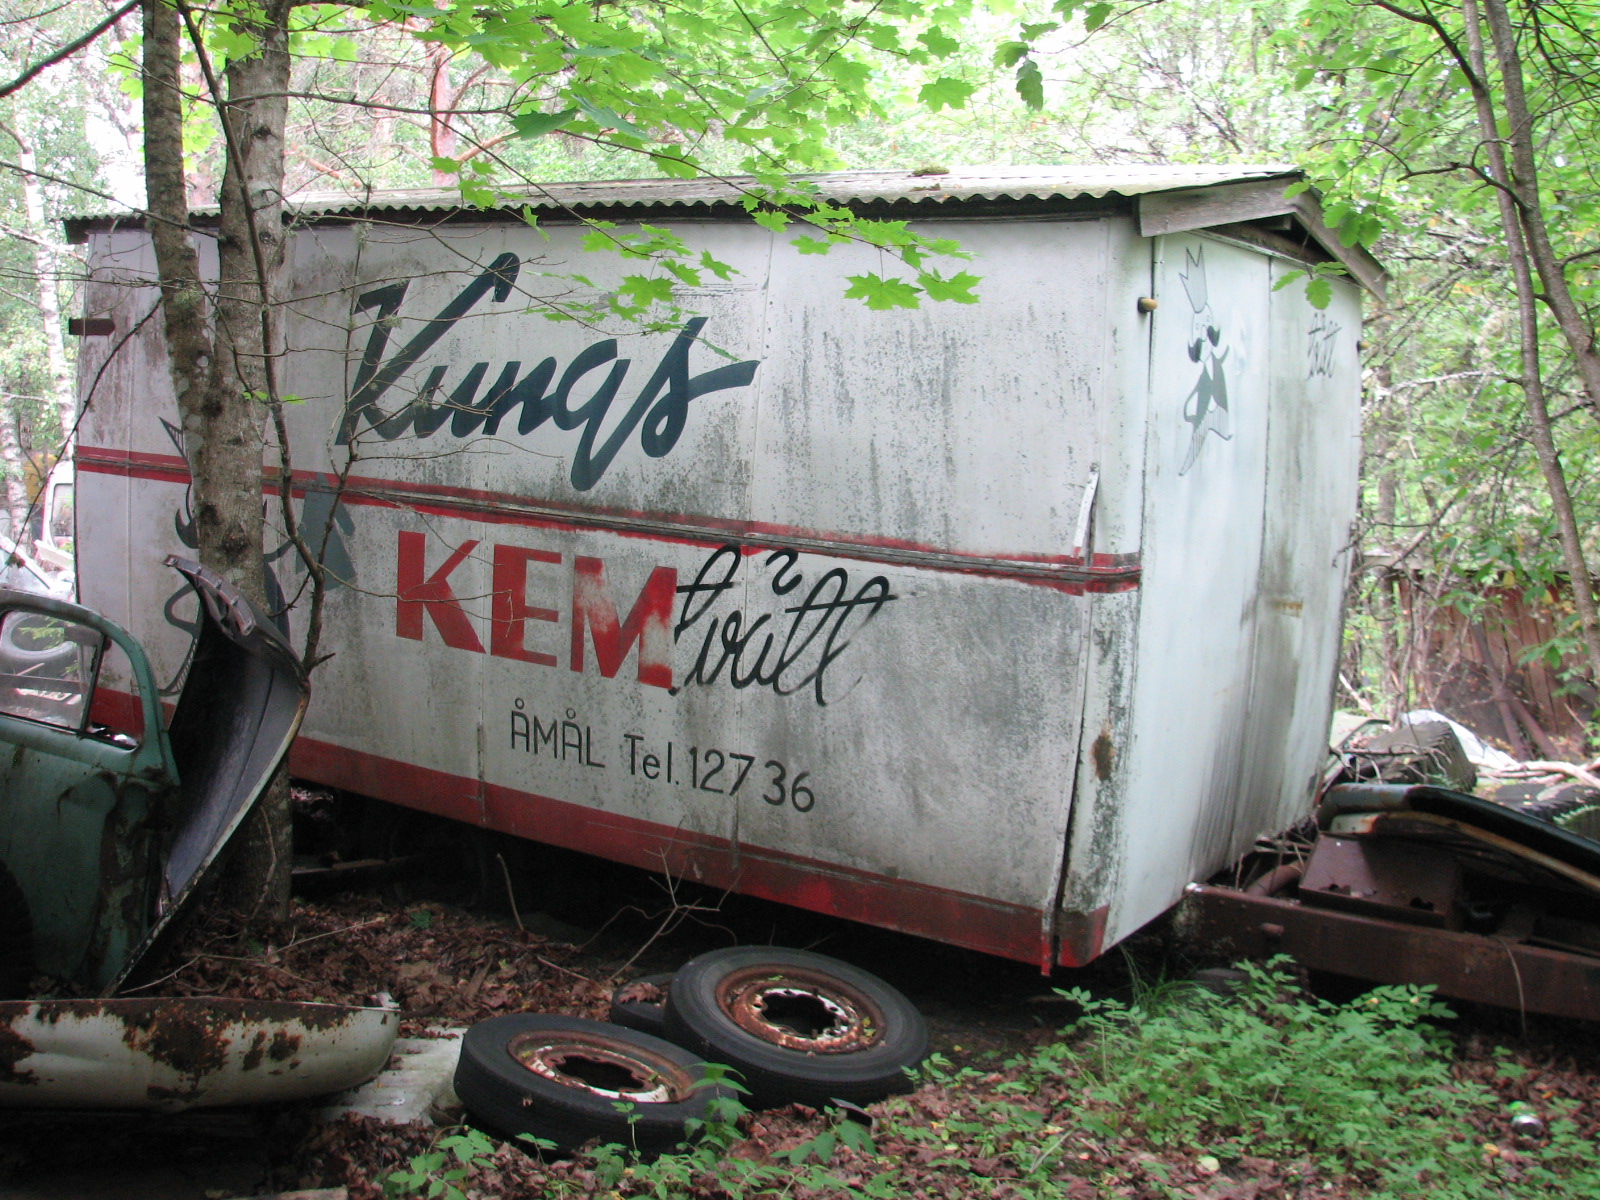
(241,382)
(224,373)
(442,138)
(16,476)
(1380,448)
(243,387)
(183,301)
(1512,216)
(44,265)
(1523,180)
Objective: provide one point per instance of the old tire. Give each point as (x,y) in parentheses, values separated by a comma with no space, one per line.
(32,644)
(641,1004)
(16,938)
(561,1079)
(798,1027)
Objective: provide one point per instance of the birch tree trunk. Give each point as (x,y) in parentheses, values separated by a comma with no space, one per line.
(16,475)
(46,269)
(1523,180)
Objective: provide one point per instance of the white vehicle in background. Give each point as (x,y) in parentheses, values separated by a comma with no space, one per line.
(21,572)
(54,547)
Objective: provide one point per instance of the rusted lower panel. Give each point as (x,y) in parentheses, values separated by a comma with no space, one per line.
(1466,966)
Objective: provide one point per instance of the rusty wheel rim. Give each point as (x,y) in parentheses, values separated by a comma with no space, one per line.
(595,1065)
(808,1011)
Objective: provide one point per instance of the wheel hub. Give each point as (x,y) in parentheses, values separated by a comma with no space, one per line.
(799,1011)
(593,1066)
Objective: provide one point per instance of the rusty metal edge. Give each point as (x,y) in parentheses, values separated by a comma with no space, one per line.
(1463,966)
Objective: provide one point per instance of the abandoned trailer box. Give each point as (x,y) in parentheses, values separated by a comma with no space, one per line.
(996,623)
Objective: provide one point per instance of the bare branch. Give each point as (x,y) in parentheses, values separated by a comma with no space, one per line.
(67,51)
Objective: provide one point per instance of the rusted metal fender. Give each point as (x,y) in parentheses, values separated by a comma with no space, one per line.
(173,1054)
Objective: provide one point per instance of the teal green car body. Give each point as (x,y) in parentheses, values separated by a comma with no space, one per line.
(105,833)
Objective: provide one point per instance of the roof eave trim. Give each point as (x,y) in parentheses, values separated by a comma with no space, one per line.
(1189,209)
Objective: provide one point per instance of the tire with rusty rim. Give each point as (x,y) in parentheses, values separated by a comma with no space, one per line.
(642,1004)
(562,1079)
(799,1027)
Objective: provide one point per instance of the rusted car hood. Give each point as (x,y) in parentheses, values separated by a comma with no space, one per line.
(176,1054)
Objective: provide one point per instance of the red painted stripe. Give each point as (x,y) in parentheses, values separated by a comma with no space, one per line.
(1009,930)
(1122,570)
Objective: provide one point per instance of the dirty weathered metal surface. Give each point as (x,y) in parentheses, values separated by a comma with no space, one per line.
(173,1054)
(947,619)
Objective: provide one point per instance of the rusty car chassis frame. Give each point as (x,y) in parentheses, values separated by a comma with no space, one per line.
(110,821)
(1424,885)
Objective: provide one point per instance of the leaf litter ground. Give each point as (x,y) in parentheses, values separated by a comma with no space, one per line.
(984,1124)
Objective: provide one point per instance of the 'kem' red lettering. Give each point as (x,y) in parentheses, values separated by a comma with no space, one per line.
(432,595)
(649,622)
(511,611)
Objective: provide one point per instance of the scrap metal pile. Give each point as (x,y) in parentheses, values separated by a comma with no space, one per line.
(1404,880)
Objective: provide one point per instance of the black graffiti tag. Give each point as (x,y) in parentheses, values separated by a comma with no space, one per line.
(659,412)
(786,652)
(1322,343)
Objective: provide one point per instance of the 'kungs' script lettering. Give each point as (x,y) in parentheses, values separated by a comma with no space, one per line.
(659,412)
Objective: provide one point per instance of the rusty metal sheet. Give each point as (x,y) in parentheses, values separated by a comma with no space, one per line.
(175,1054)
(1413,884)
(1465,966)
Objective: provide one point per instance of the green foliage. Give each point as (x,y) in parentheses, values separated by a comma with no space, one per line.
(1361,1096)
(1363,1089)
(755,87)
(1273,1072)
(443,1172)
(705,1163)
(1318,278)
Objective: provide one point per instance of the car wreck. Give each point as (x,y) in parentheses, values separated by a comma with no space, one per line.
(112,820)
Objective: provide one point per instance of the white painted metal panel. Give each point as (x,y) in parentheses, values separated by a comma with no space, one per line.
(1313,458)
(965,428)
(1098,855)
(537,607)
(522,644)
(1205,470)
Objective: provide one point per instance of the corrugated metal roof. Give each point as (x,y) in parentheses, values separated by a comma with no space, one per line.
(930,187)
(992,184)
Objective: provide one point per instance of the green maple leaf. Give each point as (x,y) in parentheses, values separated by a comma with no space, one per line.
(957,288)
(879,293)
(536,124)
(945,92)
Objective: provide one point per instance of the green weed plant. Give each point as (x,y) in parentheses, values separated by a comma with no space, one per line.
(1362,1089)
(1362,1093)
